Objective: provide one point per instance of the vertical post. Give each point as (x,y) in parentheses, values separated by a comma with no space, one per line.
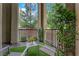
(41,17)
(44,16)
(77,29)
(71,7)
(7,19)
(44,21)
(4,39)
(0,27)
(14,23)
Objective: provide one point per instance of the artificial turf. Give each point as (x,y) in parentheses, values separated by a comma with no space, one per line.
(34,51)
(17,49)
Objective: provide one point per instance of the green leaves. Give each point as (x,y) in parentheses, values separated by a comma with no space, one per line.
(26,19)
(63,19)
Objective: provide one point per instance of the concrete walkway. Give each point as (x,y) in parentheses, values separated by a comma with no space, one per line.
(15,54)
(27,44)
(45,48)
(18,44)
(49,50)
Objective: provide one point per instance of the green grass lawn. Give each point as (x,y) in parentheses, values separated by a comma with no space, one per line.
(17,49)
(34,51)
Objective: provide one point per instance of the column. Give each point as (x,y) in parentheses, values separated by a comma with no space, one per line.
(6,23)
(0,27)
(44,21)
(14,23)
(77,29)
(70,6)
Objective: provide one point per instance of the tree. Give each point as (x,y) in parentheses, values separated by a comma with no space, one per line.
(54,14)
(64,20)
(27,20)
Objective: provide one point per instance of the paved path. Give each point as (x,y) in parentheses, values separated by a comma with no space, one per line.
(49,50)
(22,44)
(23,54)
(18,44)
(14,54)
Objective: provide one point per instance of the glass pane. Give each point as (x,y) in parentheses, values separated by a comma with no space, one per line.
(28,15)
(28,27)
(49,8)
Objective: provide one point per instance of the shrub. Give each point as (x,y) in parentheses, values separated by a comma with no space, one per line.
(31,39)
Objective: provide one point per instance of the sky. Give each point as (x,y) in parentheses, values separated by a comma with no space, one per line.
(33,7)
(22,6)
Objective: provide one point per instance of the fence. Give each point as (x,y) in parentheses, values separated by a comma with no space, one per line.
(50,35)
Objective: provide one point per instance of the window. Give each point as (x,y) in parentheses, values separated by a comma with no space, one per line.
(28,15)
